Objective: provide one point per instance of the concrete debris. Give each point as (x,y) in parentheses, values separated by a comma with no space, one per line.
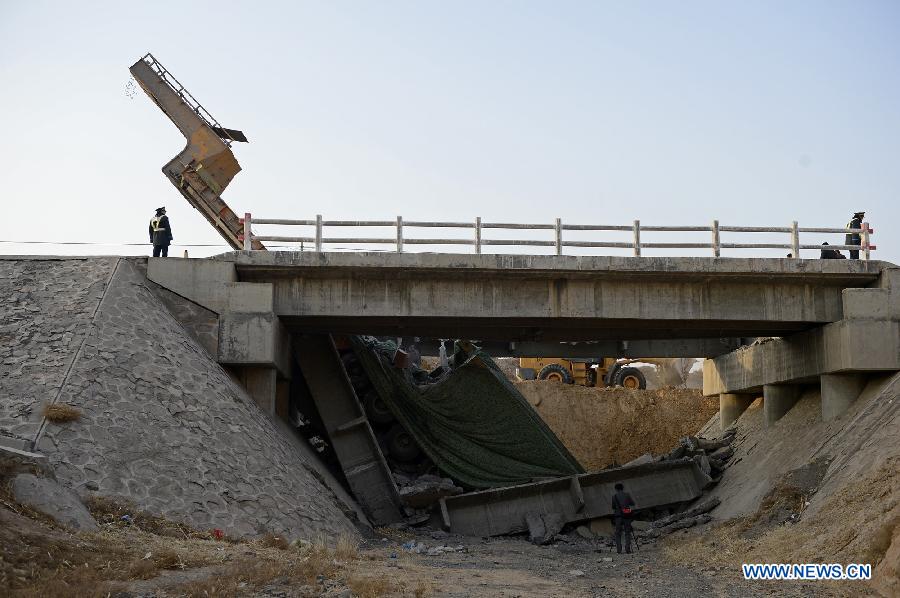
(427,490)
(703,463)
(576,573)
(703,507)
(439,550)
(421,548)
(723,454)
(52,499)
(645,458)
(677,525)
(584,532)
(543,527)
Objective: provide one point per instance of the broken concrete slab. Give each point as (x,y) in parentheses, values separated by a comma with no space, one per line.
(424,493)
(578,498)
(355,446)
(50,498)
(543,527)
(643,459)
(585,532)
(703,507)
(722,454)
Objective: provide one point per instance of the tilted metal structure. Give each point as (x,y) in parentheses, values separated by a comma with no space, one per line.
(206,165)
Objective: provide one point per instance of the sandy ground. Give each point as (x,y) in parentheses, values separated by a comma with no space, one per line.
(606,426)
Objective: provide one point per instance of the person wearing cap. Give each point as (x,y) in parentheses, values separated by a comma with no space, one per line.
(854,238)
(160,233)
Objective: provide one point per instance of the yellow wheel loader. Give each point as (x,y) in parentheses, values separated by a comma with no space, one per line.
(606,371)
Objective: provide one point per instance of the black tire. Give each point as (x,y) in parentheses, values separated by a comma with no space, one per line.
(554,371)
(631,378)
(401,445)
(377,410)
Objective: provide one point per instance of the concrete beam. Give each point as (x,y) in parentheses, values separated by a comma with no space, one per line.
(254,339)
(354,443)
(547,298)
(261,385)
(890,280)
(873,304)
(778,399)
(842,347)
(731,407)
(694,347)
(212,284)
(199,280)
(838,393)
(587,496)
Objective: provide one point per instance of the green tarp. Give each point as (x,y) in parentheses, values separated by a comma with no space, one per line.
(473,423)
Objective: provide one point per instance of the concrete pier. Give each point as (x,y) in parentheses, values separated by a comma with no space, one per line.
(731,407)
(838,393)
(778,399)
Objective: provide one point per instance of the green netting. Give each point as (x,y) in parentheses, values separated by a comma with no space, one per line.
(473,423)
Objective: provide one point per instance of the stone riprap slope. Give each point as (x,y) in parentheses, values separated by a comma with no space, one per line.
(46,307)
(162,424)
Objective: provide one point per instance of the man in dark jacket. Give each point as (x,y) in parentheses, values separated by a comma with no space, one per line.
(160,233)
(830,254)
(623,507)
(854,238)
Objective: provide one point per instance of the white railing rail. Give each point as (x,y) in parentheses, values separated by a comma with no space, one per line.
(318,240)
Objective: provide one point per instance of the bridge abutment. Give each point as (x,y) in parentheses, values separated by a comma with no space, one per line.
(839,391)
(732,406)
(778,399)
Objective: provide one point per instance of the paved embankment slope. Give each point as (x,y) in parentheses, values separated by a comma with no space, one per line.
(161,424)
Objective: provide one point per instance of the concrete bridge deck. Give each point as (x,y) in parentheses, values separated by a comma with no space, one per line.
(517,298)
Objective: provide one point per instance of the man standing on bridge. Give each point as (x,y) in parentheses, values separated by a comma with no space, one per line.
(160,233)
(622,506)
(854,238)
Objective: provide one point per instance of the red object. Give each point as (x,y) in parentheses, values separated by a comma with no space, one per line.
(218,534)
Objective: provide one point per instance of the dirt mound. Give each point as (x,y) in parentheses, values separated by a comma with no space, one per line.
(804,490)
(606,426)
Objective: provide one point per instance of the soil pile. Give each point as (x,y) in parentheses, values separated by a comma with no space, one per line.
(804,490)
(607,426)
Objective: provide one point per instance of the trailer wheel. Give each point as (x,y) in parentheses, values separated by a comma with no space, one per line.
(555,372)
(401,445)
(376,409)
(631,378)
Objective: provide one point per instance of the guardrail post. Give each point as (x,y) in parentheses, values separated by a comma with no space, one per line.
(637,238)
(478,235)
(248,234)
(865,240)
(716,246)
(318,233)
(559,236)
(399,234)
(795,240)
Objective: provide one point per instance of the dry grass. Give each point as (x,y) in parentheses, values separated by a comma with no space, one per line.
(347,548)
(273,541)
(845,528)
(371,587)
(60,413)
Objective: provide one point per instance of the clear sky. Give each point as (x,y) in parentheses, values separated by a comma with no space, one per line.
(755,113)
